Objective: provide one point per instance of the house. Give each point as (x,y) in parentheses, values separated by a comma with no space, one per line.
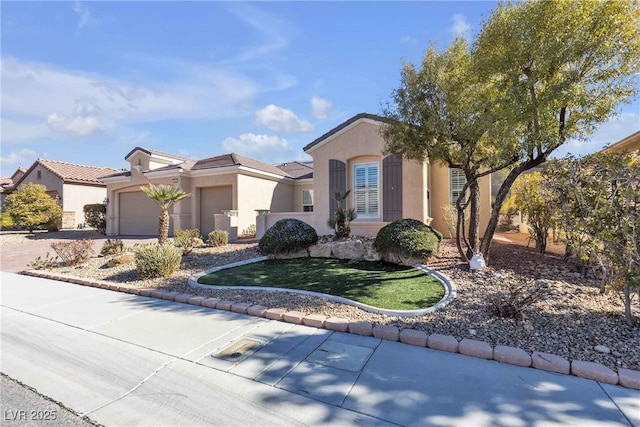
(628,144)
(232,192)
(7,185)
(72,185)
(383,188)
(227,192)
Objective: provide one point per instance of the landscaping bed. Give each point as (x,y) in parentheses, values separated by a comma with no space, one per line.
(571,322)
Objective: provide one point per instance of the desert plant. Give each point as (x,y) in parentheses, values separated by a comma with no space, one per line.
(250,231)
(95,215)
(165,196)
(218,238)
(409,238)
(187,240)
(156,260)
(30,206)
(287,235)
(46,262)
(112,247)
(341,217)
(518,297)
(75,251)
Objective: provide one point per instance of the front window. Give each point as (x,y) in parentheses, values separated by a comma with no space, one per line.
(457,180)
(307,200)
(366,192)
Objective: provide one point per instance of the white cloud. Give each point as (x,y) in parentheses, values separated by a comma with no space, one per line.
(461,26)
(320,107)
(84,15)
(20,156)
(78,125)
(280,119)
(251,144)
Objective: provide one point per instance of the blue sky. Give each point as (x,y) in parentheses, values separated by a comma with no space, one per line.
(86,82)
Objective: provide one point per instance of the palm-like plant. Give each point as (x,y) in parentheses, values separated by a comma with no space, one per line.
(342,217)
(164,195)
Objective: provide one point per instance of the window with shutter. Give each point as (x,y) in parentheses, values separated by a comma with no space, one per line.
(366,190)
(457,180)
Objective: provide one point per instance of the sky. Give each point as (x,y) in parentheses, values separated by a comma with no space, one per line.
(86,82)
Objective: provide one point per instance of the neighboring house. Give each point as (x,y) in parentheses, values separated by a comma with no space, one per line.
(7,185)
(628,144)
(227,191)
(72,185)
(231,192)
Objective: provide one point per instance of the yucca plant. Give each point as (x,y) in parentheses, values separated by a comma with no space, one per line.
(165,196)
(342,217)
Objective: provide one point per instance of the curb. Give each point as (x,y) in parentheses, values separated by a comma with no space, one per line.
(627,378)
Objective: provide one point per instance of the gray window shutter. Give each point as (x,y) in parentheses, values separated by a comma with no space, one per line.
(337,182)
(391,188)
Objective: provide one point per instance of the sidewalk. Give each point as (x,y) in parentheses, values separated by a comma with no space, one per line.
(123,359)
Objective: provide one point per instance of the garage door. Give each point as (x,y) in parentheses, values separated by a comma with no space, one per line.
(213,200)
(138,215)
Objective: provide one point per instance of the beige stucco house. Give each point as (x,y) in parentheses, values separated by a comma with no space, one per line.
(8,184)
(232,192)
(72,185)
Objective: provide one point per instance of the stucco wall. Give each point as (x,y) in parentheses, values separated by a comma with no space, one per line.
(75,196)
(298,188)
(47,178)
(259,193)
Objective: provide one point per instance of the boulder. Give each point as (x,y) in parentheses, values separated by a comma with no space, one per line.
(124,258)
(301,253)
(320,250)
(350,249)
(371,253)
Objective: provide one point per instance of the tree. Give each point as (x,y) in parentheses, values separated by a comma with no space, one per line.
(30,206)
(538,74)
(95,215)
(532,199)
(559,69)
(599,198)
(165,196)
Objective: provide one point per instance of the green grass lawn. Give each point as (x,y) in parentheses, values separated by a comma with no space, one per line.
(378,284)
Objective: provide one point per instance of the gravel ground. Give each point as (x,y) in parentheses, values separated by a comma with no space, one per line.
(571,321)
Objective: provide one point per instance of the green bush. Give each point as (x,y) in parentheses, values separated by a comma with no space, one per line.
(287,235)
(112,247)
(250,231)
(95,215)
(408,237)
(218,238)
(74,252)
(186,240)
(5,220)
(154,260)
(30,206)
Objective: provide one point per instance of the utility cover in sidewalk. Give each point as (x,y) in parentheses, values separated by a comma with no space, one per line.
(341,356)
(238,350)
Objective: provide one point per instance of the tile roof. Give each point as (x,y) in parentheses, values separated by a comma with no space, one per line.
(71,172)
(297,170)
(233,159)
(344,125)
(156,152)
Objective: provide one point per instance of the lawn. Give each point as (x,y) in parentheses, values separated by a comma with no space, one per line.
(379,284)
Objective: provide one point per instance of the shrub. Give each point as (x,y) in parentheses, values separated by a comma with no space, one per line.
(30,206)
(186,240)
(250,231)
(95,215)
(218,238)
(408,237)
(518,297)
(46,262)
(112,247)
(287,235)
(74,252)
(155,260)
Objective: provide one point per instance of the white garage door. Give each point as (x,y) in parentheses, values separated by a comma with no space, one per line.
(138,215)
(213,200)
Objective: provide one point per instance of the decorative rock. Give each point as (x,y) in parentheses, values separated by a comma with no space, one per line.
(337,324)
(301,253)
(550,362)
(240,307)
(413,337)
(443,342)
(361,328)
(320,250)
(475,348)
(125,258)
(275,313)
(314,320)
(182,297)
(371,253)
(511,355)
(197,300)
(257,310)
(593,371)
(629,378)
(351,249)
(386,332)
(602,349)
(473,332)
(210,302)
(293,317)
(224,305)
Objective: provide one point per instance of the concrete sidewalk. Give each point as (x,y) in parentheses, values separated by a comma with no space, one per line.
(123,359)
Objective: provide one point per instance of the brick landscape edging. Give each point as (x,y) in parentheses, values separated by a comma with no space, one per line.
(627,378)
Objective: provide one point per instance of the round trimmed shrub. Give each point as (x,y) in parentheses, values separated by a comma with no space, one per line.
(408,238)
(287,235)
(155,260)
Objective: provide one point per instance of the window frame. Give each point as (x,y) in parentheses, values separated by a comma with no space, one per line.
(367,191)
(458,187)
(307,207)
